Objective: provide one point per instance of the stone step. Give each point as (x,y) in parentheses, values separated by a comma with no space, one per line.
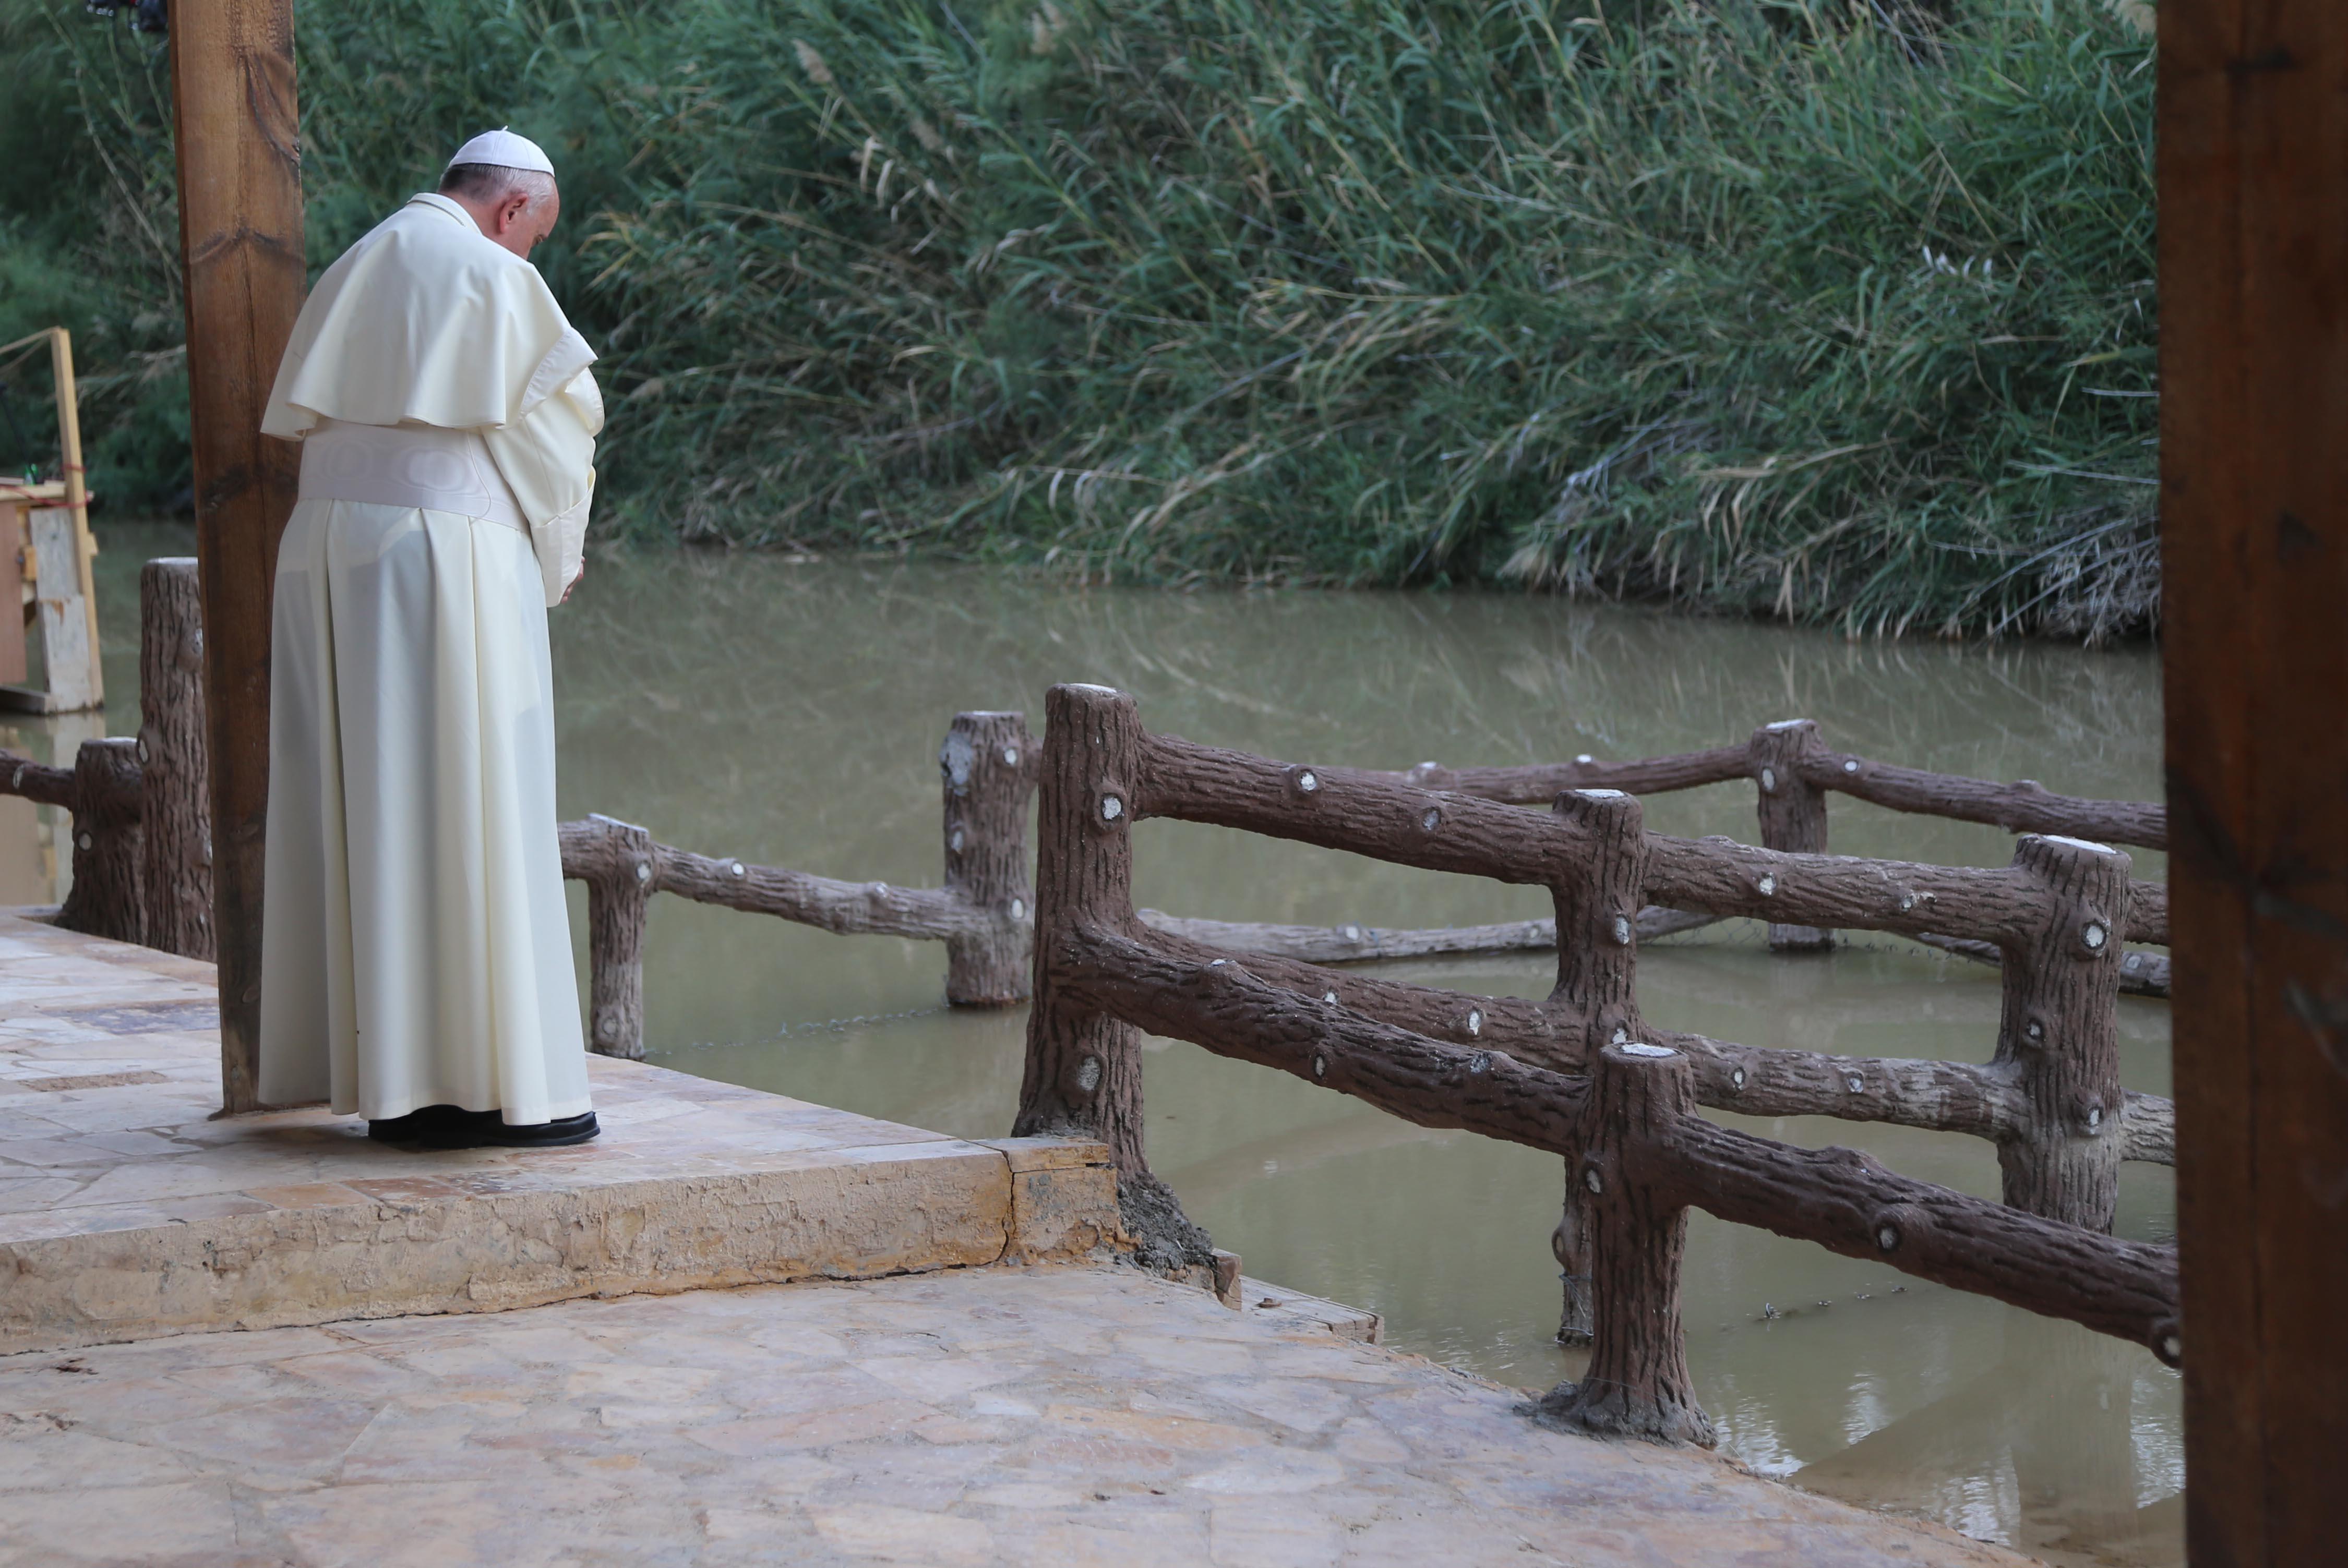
(127,1212)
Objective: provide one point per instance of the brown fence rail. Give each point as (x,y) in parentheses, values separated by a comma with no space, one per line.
(1794,767)
(1579,1073)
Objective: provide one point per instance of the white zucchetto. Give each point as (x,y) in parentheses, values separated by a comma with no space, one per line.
(503,149)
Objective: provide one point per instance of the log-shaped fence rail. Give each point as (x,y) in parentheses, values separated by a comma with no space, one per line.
(1790,760)
(1578,1073)
(983,913)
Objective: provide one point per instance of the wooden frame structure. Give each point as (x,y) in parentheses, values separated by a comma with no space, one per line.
(47,552)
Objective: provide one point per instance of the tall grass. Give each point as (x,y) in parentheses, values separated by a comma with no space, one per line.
(1781,308)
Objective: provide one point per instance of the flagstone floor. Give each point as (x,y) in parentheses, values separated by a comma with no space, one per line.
(1054,1415)
(1064,1413)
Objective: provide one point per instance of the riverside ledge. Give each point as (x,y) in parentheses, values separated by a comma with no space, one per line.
(381,1407)
(127,1210)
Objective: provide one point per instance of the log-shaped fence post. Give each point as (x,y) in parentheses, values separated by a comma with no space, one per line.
(175,777)
(108,844)
(1637,1384)
(988,768)
(2059,1035)
(1084,1066)
(1597,958)
(617,866)
(1793,811)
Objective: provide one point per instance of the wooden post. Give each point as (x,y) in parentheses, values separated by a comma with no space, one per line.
(2058,1035)
(1597,961)
(1084,1067)
(241,245)
(2253,149)
(108,845)
(1637,1384)
(988,767)
(175,784)
(619,884)
(1083,1075)
(85,577)
(1793,811)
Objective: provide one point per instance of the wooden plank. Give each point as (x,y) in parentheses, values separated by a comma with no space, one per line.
(240,243)
(2253,149)
(16,545)
(64,612)
(92,680)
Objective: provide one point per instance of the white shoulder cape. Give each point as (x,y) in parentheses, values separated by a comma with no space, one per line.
(425,320)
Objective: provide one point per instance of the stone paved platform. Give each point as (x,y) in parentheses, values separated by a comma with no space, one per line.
(128,1211)
(1042,1416)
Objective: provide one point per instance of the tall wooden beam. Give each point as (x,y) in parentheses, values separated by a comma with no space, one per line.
(2253,138)
(241,244)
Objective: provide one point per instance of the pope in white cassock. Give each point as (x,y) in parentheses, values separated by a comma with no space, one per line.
(416,950)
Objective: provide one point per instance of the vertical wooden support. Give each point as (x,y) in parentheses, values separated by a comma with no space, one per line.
(61,368)
(619,884)
(2059,1035)
(175,784)
(1637,1384)
(1597,959)
(240,246)
(109,846)
(2253,163)
(68,649)
(1084,1067)
(988,768)
(1793,812)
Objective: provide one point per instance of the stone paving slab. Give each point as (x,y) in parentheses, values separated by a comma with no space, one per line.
(1042,1416)
(127,1210)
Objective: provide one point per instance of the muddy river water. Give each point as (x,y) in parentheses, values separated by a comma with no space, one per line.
(789,712)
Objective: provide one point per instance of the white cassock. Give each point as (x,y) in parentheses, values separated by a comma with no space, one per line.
(415,948)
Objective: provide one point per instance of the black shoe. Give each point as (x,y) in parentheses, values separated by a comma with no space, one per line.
(416,1127)
(488,1130)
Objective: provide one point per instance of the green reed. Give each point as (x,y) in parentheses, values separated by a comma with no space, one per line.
(1837,312)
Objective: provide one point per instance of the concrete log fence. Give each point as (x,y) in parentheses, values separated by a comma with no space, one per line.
(175,772)
(141,814)
(1578,1073)
(981,913)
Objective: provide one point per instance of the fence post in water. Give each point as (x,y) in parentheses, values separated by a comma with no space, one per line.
(619,872)
(108,844)
(2059,1035)
(175,780)
(1793,811)
(988,767)
(1084,1067)
(1597,959)
(1637,1384)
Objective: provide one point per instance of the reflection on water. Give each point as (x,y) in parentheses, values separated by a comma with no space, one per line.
(791,713)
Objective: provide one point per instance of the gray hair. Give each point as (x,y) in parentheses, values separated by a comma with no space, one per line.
(495,182)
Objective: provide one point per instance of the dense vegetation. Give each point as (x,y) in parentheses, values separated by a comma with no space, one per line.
(1837,311)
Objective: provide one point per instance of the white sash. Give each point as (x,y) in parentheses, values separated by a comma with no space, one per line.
(406,465)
